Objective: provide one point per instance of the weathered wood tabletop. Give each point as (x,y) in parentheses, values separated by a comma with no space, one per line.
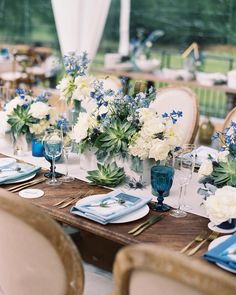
(171,232)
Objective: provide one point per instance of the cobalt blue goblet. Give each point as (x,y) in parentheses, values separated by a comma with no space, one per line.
(161,182)
(50,172)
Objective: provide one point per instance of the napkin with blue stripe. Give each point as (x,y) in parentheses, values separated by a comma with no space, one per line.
(109,207)
(26,170)
(224,253)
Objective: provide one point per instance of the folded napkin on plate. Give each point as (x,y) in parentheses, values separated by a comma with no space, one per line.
(224,253)
(109,207)
(26,170)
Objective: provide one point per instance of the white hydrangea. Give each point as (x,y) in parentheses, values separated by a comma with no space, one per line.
(221,206)
(205,169)
(81,127)
(152,126)
(4,126)
(146,114)
(12,104)
(83,87)
(140,148)
(39,110)
(223,156)
(65,87)
(159,150)
(40,127)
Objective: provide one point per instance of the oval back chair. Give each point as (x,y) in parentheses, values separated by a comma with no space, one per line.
(111,82)
(37,257)
(229,118)
(180,99)
(153,270)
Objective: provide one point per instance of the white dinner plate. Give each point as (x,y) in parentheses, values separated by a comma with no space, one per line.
(6,162)
(215,243)
(127,218)
(20,180)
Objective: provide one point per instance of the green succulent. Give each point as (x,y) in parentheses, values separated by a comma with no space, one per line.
(107,174)
(225,173)
(115,138)
(20,120)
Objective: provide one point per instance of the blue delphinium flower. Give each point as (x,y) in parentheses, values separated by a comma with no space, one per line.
(173,115)
(76,65)
(43,97)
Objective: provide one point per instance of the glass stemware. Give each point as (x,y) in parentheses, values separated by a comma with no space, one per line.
(68,143)
(183,168)
(53,149)
(161,182)
(188,151)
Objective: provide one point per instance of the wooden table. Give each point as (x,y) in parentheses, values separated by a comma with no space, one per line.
(170,232)
(230,92)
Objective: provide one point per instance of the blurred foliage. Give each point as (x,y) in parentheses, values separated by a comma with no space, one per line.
(183,21)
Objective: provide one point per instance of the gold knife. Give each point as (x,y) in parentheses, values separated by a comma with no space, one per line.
(141,225)
(150,223)
(26,185)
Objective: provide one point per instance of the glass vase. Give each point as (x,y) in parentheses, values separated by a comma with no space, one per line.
(20,144)
(74,111)
(37,147)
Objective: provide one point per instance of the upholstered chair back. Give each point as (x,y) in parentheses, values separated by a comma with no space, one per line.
(37,257)
(180,99)
(155,270)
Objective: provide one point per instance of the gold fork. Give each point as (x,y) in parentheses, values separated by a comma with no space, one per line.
(199,238)
(210,238)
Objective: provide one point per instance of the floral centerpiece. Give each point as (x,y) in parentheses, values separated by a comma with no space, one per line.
(26,116)
(123,129)
(222,171)
(76,84)
(219,178)
(221,207)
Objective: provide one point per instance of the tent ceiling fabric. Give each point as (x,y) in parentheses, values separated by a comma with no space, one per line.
(80,24)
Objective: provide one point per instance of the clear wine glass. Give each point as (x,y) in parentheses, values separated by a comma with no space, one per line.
(183,168)
(68,143)
(188,151)
(53,149)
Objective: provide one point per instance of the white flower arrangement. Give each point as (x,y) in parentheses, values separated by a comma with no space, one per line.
(205,169)
(39,110)
(221,206)
(157,137)
(26,114)
(76,84)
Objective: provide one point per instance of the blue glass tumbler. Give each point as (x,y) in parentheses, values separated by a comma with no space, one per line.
(37,148)
(161,182)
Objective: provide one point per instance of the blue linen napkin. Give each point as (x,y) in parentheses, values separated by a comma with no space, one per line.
(109,207)
(26,171)
(224,253)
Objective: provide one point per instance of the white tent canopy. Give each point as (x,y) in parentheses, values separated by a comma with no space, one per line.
(80,24)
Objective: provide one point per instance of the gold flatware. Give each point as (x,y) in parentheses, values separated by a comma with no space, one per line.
(146,225)
(75,199)
(199,238)
(141,225)
(210,238)
(30,183)
(62,201)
